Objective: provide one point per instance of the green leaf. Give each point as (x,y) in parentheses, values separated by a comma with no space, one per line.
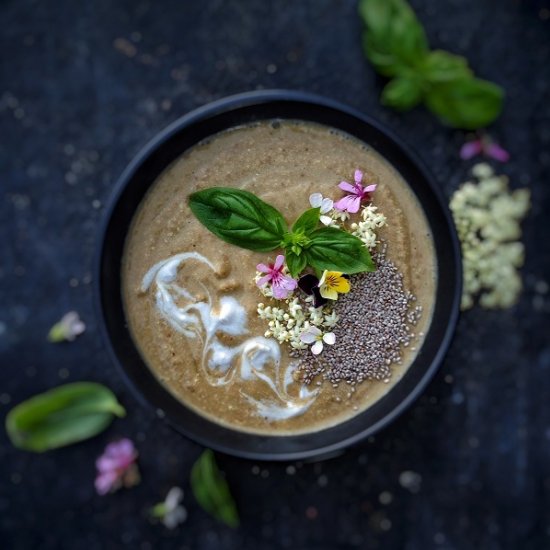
(307,222)
(402,93)
(295,263)
(239,217)
(468,103)
(338,250)
(394,39)
(211,490)
(441,66)
(62,416)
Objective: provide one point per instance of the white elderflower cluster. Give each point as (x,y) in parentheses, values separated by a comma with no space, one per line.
(288,322)
(487,217)
(366,229)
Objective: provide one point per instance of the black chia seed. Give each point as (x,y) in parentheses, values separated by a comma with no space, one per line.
(376,322)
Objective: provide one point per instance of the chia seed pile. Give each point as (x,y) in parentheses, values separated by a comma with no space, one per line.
(376,322)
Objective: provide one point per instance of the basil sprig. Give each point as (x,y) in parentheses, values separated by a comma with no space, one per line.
(242,219)
(211,490)
(395,43)
(61,416)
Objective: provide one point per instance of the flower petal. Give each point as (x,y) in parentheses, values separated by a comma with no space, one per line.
(358,176)
(105,482)
(264,280)
(349,203)
(318,300)
(307,283)
(280,293)
(471,149)
(329,338)
(279,261)
(286,282)
(326,205)
(345,186)
(317,348)
(341,285)
(370,188)
(325,220)
(495,151)
(328,293)
(310,335)
(316,200)
(262,268)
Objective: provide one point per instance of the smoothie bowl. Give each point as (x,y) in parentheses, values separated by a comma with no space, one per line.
(278,276)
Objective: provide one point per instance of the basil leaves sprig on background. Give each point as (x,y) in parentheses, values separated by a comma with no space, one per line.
(240,218)
(211,490)
(395,43)
(61,416)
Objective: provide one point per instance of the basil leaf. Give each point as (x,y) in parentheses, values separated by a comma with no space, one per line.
(307,222)
(441,66)
(62,416)
(296,263)
(239,217)
(468,103)
(394,38)
(402,93)
(338,250)
(211,490)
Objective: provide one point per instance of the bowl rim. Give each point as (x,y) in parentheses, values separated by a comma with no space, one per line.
(234,103)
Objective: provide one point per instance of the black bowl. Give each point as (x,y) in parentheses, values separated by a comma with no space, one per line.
(169,145)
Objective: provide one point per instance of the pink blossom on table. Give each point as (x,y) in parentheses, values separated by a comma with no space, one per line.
(358,193)
(313,335)
(282,285)
(117,467)
(484,145)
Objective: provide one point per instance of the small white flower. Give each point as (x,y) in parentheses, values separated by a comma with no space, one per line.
(325,204)
(171,512)
(67,329)
(313,335)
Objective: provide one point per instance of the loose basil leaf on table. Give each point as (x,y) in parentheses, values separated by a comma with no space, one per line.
(337,250)
(396,39)
(402,93)
(61,416)
(211,490)
(239,217)
(468,103)
(441,66)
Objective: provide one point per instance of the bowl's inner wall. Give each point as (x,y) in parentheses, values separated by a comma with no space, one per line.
(143,172)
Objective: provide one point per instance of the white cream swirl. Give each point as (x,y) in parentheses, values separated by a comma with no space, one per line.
(256,358)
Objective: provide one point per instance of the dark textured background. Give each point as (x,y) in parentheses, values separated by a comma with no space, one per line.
(83,85)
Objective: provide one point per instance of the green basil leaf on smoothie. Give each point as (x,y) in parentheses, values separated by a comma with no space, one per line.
(296,263)
(337,250)
(307,222)
(467,103)
(61,416)
(211,490)
(239,217)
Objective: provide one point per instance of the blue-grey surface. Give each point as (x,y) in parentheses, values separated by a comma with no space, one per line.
(83,85)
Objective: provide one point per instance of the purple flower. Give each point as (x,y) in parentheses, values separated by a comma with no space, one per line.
(281,284)
(484,145)
(116,467)
(310,285)
(351,203)
(67,329)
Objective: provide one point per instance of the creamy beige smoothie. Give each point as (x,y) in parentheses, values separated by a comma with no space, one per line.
(191,300)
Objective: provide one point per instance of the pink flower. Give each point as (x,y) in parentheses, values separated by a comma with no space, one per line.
(352,203)
(116,467)
(484,145)
(281,284)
